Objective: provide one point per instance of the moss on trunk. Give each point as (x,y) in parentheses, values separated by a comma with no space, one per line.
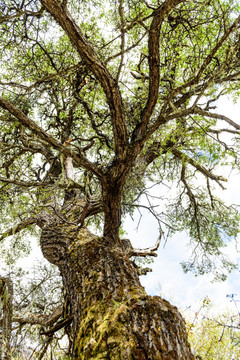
(113,318)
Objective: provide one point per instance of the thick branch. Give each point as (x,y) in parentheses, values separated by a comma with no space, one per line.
(26,184)
(154,60)
(19,13)
(70,184)
(91,59)
(58,326)
(147,252)
(6,297)
(120,10)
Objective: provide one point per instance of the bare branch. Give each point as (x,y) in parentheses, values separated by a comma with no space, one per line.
(126,49)
(147,252)
(58,326)
(144,271)
(219,131)
(39,319)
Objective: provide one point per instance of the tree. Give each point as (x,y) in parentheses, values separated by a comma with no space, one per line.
(99,98)
(215,336)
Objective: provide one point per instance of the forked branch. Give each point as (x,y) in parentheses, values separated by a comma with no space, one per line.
(154,62)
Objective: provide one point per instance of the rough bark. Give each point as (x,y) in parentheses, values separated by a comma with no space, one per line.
(113,318)
(6,295)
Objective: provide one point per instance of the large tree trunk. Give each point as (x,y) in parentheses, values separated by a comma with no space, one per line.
(113,318)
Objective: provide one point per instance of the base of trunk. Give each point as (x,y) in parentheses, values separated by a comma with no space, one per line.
(113,318)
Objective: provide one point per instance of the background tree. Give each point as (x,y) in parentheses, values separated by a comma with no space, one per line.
(214,335)
(97,99)
(35,316)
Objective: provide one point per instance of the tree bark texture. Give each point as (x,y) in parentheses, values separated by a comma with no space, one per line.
(6,296)
(113,318)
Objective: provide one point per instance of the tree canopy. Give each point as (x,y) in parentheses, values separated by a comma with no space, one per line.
(102,99)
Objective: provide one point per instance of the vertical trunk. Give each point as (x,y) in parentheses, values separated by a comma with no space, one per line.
(113,318)
(6,295)
(112,213)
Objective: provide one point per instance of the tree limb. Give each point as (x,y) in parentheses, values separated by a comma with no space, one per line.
(147,252)
(58,326)
(71,184)
(93,62)
(154,62)
(39,319)
(209,58)
(6,298)
(15,229)
(19,13)
(120,10)
(42,80)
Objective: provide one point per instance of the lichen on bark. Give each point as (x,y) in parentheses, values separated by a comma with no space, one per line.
(113,317)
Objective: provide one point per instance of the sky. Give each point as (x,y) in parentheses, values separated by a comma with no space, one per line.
(167,278)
